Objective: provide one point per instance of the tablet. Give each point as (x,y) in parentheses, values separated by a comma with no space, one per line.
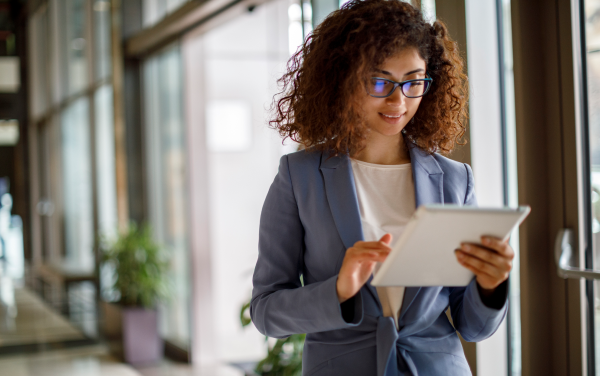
(424,253)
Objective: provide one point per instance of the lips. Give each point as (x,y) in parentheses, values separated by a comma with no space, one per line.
(391,118)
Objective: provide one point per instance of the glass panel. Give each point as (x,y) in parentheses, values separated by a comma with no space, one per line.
(102,45)
(38,42)
(76,44)
(57,67)
(248,54)
(153,11)
(428,8)
(166,156)
(592,57)
(105,161)
(77,184)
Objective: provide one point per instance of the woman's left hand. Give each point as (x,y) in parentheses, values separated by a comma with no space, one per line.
(490,261)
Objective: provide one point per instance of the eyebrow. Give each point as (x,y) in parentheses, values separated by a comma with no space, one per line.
(406,74)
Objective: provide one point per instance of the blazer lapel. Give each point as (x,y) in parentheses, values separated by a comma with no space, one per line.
(342,198)
(343,202)
(429,189)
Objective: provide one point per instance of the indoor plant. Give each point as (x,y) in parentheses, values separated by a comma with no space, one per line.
(138,271)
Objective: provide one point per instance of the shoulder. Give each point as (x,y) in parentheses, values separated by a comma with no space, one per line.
(458,181)
(303,162)
(304,158)
(453,168)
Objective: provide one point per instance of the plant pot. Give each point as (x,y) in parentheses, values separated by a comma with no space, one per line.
(132,333)
(141,342)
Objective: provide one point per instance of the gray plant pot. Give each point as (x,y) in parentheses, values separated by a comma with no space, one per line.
(141,342)
(132,333)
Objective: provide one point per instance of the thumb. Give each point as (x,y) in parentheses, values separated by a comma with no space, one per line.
(387,238)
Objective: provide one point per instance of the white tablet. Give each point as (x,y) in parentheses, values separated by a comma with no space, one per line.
(424,253)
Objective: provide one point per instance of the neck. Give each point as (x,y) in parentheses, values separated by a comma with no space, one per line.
(385,150)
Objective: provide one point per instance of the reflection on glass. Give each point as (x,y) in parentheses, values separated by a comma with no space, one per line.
(76,44)
(300,24)
(592,38)
(38,34)
(243,156)
(77,184)
(105,161)
(49,157)
(514,314)
(428,8)
(155,10)
(102,45)
(165,147)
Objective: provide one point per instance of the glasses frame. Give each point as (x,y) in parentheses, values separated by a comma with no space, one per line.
(397,84)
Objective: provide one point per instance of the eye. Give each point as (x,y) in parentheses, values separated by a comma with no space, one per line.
(378,86)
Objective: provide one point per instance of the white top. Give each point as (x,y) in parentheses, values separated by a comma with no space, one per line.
(386,199)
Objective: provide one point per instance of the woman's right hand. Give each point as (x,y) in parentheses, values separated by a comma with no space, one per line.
(358,264)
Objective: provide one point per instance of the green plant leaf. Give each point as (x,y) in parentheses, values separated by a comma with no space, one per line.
(140,266)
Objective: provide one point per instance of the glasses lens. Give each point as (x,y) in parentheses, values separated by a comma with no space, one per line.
(381,87)
(415,88)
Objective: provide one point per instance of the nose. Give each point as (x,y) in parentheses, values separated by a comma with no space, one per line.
(396,99)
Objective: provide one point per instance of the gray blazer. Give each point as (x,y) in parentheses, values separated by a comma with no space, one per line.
(309,218)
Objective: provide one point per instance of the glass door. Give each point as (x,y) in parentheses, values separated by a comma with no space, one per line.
(591,162)
(587,49)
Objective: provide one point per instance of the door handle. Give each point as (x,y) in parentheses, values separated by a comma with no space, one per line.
(563,253)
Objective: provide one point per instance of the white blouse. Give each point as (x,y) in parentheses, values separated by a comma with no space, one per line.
(386,199)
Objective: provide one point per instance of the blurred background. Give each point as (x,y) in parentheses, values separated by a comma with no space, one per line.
(155,112)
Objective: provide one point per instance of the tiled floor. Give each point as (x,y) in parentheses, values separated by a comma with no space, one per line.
(174,369)
(85,361)
(96,361)
(34,322)
(26,320)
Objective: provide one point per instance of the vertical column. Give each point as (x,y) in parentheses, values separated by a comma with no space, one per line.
(120,140)
(203,342)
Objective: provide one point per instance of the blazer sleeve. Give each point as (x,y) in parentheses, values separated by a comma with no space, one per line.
(280,305)
(474,319)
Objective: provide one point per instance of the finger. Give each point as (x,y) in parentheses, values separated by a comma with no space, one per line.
(498,245)
(387,239)
(487,268)
(370,255)
(371,245)
(484,280)
(484,254)
(478,272)
(358,250)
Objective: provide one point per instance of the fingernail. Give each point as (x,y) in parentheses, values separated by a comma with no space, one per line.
(466,247)
(486,240)
(460,255)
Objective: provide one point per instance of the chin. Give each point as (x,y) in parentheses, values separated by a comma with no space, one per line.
(387,130)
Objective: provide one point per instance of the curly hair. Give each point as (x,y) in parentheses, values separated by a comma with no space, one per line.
(319,105)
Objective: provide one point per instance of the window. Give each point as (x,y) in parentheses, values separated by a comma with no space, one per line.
(167,184)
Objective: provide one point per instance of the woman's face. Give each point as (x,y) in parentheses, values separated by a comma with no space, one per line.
(388,116)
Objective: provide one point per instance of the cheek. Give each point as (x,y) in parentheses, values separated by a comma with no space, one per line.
(413,107)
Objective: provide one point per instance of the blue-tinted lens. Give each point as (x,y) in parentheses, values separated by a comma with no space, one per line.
(415,88)
(379,87)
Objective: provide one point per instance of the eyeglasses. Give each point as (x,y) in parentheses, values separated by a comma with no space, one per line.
(382,87)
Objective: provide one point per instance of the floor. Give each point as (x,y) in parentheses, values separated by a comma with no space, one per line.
(31,321)
(37,340)
(96,361)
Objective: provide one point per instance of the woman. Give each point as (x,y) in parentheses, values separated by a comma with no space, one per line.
(374,94)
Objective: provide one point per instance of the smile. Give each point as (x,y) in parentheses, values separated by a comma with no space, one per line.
(392,118)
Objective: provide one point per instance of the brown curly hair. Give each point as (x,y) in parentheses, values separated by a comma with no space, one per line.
(319,105)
